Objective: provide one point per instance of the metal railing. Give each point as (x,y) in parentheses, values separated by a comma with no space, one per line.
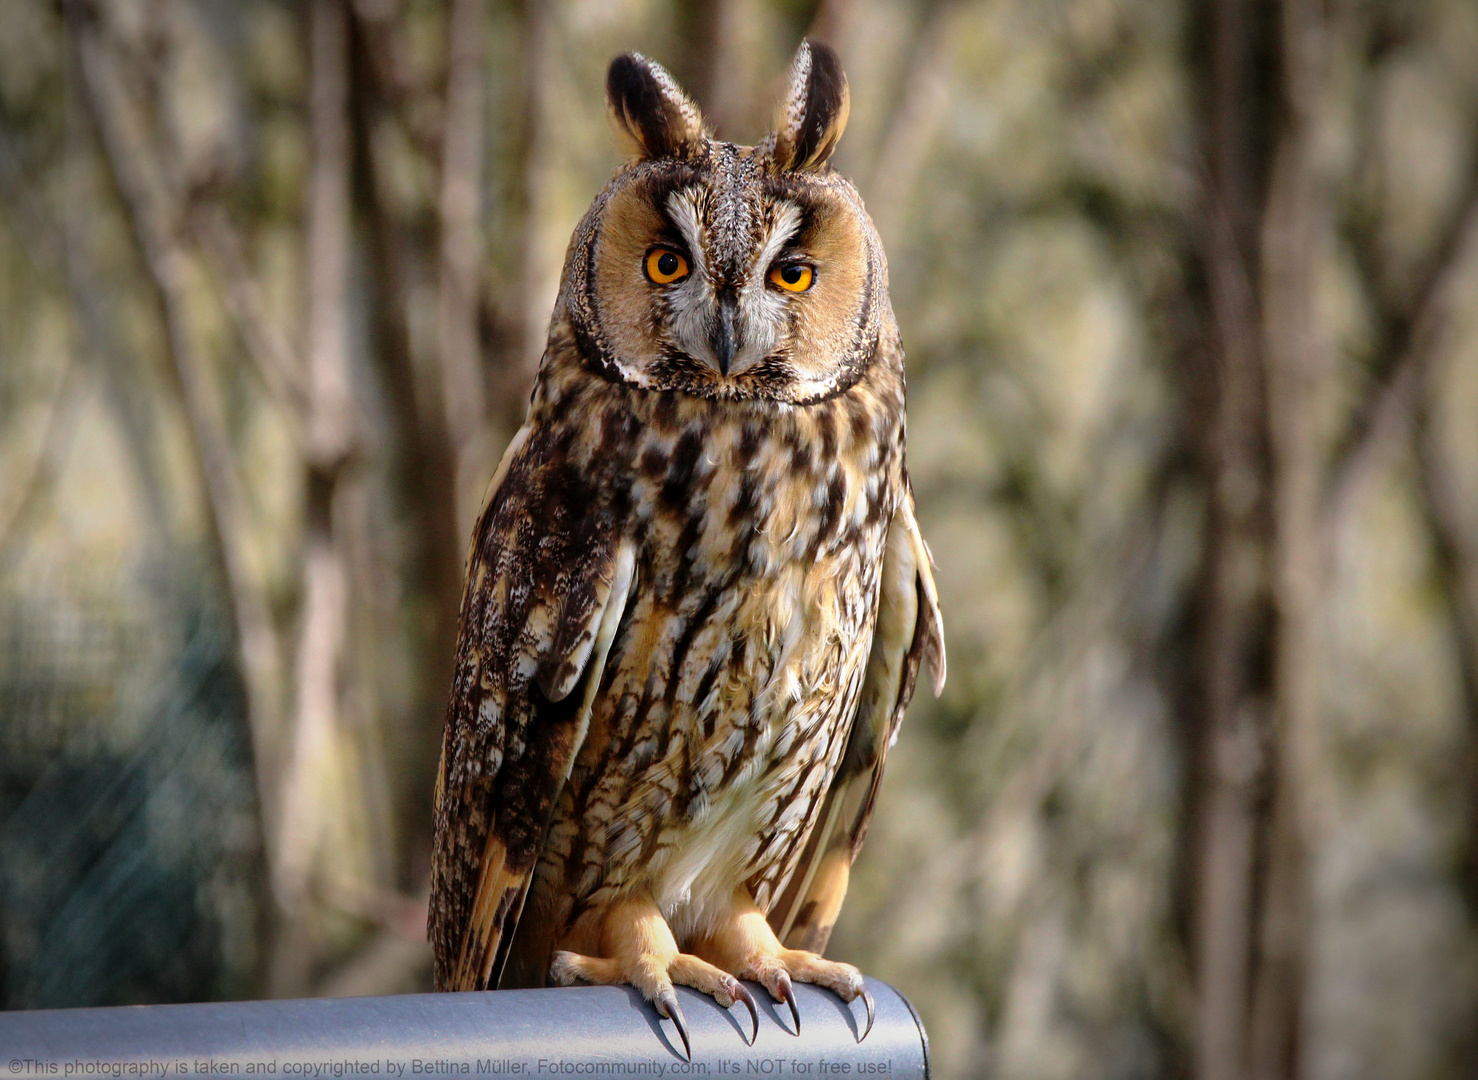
(582,1033)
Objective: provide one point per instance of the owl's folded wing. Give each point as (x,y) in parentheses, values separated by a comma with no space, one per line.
(547,581)
(909,631)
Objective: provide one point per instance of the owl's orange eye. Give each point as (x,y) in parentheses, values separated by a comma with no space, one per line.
(664,266)
(793,276)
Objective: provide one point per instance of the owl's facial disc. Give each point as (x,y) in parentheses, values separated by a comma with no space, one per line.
(721,279)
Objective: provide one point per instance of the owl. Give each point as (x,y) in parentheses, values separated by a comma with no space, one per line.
(697,597)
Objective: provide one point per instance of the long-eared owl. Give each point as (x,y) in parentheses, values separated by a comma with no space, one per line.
(697,597)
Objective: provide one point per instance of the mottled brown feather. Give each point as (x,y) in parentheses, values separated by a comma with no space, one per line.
(539,576)
(909,632)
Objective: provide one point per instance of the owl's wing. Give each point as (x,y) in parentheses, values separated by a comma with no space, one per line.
(547,581)
(909,631)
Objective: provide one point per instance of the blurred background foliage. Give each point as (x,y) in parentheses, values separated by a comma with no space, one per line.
(1189,294)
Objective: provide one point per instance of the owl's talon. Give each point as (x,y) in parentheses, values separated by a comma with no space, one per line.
(742,994)
(785,992)
(669,1008)
(746,944)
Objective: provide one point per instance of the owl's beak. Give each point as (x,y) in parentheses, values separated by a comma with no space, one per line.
(723,338)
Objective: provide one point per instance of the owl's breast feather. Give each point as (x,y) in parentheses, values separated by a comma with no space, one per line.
(778,740)
(736,674)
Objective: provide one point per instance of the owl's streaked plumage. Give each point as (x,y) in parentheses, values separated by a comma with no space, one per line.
(697,598)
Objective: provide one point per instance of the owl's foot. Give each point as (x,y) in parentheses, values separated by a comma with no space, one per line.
(641,952)
(747,946)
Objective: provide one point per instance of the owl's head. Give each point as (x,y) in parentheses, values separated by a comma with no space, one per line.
(727,271)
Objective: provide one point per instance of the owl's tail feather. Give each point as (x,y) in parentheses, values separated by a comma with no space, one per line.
(496,906)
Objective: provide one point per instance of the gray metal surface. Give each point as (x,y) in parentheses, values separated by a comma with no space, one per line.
(583,1032)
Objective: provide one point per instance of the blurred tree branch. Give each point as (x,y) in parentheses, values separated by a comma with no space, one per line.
(274,356)
(58,249)
(832,21)
(156,222)
(1297,357)
(525,327)
(1456,557)
(459,289)
(425,468)
(913,122)
(380,28)
(324,815)
(1410,329)
(27,487)
(1230,747)
(206,233)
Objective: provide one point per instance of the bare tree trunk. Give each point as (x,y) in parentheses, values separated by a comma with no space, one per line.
(464,385)
(425,471)
(320,790)
(1230,748)
(539,270)
(1294,241)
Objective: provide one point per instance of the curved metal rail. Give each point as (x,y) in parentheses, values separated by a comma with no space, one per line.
(582,1033)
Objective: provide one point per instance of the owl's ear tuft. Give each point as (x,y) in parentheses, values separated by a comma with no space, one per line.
(649,113)
(814,113)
